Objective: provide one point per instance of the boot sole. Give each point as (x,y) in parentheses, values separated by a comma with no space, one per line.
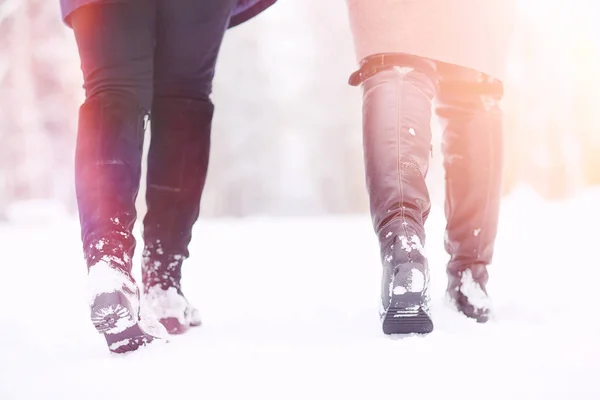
(111,317)
(402,321)
(407,314)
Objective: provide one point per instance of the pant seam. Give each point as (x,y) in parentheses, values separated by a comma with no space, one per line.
(400,184)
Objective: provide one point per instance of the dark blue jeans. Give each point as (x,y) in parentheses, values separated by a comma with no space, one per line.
(145,58)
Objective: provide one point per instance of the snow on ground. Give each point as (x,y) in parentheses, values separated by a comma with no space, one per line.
(290,312)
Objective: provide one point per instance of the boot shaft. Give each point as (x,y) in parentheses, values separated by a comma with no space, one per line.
(397,148)
(178,160)
(469,110)
(107,173)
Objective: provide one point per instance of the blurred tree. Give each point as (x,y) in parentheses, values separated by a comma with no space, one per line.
(287,135)
(38,96)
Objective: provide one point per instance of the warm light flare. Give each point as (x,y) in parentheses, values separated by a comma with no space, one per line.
(552,101)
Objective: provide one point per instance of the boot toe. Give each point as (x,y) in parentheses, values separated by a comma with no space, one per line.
(467,292)
(172,309)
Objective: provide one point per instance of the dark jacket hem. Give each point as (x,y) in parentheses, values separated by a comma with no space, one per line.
(250,13)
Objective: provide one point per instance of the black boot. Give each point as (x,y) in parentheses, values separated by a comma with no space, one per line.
(108,161)
(472,147)
(397,148)
(177,168)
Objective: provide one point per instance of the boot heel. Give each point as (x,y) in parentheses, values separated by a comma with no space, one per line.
(111,315)
(408,311)
(407,315)
(402,321)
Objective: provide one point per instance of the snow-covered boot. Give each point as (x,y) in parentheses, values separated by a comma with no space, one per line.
(115,308)
(107,173)
(467,292)
(177,167)
(471,117)
(397,146)
(162,291)
(405,288)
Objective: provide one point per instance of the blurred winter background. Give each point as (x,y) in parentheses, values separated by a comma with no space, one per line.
(287,135)
(287,145)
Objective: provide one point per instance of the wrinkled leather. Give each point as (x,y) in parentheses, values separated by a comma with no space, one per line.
(397,147)
(473,160)
(397,150)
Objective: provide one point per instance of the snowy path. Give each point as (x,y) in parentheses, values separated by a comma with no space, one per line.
(290,312)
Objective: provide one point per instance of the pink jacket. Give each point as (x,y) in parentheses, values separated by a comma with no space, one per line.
(471,33)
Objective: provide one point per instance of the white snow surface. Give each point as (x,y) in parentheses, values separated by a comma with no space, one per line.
(289,308)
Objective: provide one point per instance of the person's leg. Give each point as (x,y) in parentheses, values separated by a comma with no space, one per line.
(189,37)
(116,47)
(468,107)
(397,147)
